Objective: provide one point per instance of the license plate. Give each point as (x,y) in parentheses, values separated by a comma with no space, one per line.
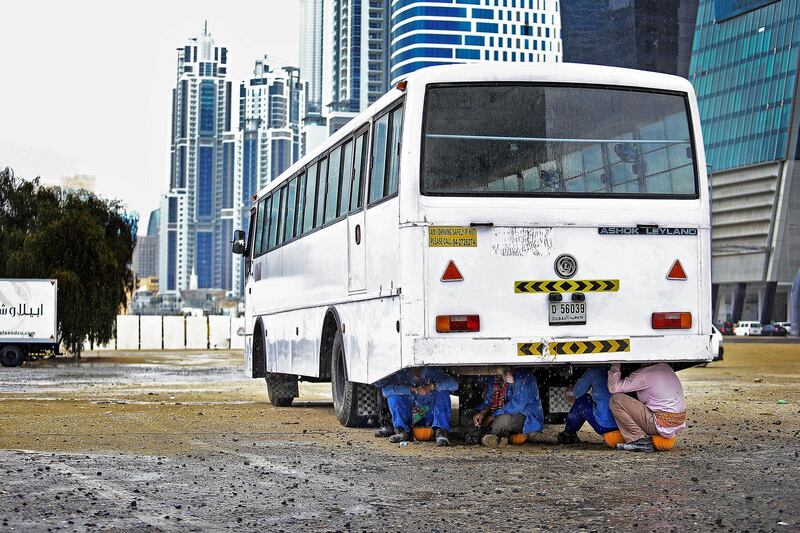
(567,313)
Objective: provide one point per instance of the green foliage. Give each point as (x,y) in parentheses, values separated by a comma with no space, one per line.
(82,240)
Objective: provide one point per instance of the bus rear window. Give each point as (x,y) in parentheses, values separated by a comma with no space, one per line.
(556,140)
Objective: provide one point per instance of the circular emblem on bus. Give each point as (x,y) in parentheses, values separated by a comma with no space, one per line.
(566,266)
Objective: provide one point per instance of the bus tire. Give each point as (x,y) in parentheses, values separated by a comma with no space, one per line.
(11,356)
(282,389)
(355,404)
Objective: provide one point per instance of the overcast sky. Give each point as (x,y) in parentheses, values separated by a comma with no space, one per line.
(85,86)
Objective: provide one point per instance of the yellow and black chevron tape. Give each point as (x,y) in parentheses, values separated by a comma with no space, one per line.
(530,348)
(575,347)
(589,347)
(566,285)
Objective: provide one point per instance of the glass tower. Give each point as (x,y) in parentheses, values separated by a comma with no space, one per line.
(429,33)
(199,208)
(654,35)
(744,69)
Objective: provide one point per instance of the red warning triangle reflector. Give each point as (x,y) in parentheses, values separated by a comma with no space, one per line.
(451,273)
(676,272)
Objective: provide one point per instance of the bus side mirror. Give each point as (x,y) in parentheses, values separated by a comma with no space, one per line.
(238,245)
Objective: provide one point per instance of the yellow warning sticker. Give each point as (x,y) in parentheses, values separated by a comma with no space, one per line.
(575,347)
(452,237)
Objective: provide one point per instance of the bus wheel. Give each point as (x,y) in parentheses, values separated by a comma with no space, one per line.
(11,356)
(282,389)
(355,404)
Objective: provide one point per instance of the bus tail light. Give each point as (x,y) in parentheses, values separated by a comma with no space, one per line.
(454,323)
(672,320)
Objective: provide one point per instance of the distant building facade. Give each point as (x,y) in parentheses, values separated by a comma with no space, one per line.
(311,34)
(425,33)
(744,70)
(198,213)
(77,183)
(145,254)
(271,106)
(654,35)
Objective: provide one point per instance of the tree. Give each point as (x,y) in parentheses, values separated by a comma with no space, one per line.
(80,239)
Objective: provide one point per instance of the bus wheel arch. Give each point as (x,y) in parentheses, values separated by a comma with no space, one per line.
(259,350)
(330,327)
(355,404)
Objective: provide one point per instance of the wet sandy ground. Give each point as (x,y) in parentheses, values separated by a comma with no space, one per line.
(179,441)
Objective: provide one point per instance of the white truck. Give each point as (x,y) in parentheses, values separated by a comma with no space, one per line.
(28,323)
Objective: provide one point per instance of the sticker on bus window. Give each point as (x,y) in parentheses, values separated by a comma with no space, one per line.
(452,237)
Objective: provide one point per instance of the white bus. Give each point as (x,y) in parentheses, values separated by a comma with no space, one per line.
(485,215)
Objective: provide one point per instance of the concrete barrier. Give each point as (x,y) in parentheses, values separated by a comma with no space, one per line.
(151,332)
(174,333)
(127,332)
(196,333)
(145,332)
(237,340)
(219,332)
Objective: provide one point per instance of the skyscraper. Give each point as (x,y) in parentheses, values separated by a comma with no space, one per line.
(271,107)
(199,209)
(311,33)
(425,33)
(145,254)
(744,69)
(653,35)
(344,45)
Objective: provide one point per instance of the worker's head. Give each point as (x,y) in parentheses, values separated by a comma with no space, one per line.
(506,374)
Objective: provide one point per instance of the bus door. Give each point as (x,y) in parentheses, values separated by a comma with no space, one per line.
(356,230)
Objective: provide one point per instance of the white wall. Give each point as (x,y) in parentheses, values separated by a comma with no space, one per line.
(151,332)
(216,332)
(196,333)
(237,340)
(127,332)
(174,333)
(219,332)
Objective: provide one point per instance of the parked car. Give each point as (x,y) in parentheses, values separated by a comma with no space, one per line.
(726,328)
(786,325)
(773,330)
(716,344)
(747,328)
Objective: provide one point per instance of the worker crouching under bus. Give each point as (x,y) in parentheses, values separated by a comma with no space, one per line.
(511,405)
(658,409)
(591,405)
(420,397)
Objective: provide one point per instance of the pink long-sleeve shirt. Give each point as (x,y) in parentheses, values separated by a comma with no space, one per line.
(656,386)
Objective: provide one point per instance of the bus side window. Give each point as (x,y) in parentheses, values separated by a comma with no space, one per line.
(282,216)
(376,181)
(334,177)
(347,178)
(311,194)
(359,157)
(273,220)
(288,226)
(321,181)
(251,229)
(297,229)
(256,244)
(265,231)
(394,151)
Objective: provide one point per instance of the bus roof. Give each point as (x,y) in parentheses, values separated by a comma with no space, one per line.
(498,72)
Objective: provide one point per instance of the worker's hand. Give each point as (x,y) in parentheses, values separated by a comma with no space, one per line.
(616,368)
(478,419)
(425,389)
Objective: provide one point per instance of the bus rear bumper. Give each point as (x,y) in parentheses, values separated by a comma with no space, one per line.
(466,351)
